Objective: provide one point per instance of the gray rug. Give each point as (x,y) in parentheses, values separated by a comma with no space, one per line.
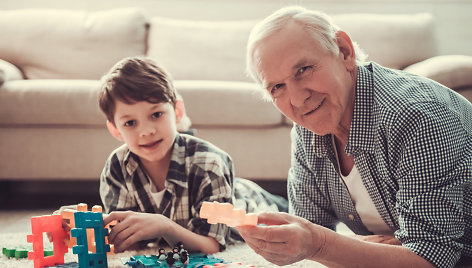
(235,253)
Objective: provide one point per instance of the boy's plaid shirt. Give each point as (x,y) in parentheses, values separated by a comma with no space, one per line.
(411,139)
(198,171)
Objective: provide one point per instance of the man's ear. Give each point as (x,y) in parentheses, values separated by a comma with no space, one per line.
(346,49)
(114,131)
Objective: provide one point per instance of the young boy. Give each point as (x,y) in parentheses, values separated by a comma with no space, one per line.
(155,183)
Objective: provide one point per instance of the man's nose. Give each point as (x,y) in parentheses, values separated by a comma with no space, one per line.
(298,95)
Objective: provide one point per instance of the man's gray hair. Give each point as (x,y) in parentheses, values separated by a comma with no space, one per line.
(317,23)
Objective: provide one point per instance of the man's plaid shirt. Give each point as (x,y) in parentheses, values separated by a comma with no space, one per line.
(411,139)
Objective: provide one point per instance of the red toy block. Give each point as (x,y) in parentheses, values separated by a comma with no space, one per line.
(51,224)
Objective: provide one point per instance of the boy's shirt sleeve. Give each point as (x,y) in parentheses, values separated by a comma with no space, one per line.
(113,190)
(214,176)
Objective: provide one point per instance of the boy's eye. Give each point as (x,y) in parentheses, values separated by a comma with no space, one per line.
(130,123)
(156,115)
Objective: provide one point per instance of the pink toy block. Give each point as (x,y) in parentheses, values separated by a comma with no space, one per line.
(51,224)
(225,213)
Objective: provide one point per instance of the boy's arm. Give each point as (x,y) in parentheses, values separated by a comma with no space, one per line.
(133,227)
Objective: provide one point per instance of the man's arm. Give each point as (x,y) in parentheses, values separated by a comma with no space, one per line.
(288,239)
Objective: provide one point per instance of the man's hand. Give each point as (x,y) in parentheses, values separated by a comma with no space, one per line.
(133,227)
(286,239)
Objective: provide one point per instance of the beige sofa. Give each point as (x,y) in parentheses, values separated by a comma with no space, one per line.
(51,60)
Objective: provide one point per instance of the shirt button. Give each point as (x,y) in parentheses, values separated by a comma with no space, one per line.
(351,217)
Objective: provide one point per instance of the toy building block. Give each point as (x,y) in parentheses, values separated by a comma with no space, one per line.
(84,221)
(51,224)
(225,213)
(68,214)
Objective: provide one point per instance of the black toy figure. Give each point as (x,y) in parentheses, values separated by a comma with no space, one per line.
(170,258)
(162,254)
(184,256)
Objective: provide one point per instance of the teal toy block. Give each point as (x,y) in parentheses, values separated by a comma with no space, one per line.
(84,221)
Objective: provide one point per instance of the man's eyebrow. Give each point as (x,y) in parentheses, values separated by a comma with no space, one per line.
(298,65)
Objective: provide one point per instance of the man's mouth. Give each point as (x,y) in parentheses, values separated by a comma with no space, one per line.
(316,108)
(151,144)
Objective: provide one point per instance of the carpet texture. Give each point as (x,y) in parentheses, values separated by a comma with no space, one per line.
(236,253)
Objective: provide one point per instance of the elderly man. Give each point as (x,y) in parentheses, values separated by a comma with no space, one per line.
(386,152)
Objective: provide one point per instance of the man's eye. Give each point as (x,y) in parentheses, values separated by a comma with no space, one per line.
(304,71)
(276,90)
(130,123)
(156,115)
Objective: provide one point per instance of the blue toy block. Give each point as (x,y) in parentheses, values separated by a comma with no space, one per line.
(84,220)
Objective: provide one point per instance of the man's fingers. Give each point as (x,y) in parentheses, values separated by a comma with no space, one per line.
(273,233)
(272,218)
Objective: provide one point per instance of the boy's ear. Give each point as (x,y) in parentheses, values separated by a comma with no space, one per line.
(114,131)
(179,111)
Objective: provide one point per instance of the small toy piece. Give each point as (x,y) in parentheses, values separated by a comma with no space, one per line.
(170,258)
(162,254)
(225,213)
(84,220)
(195,260)
(184,257)
(51,224)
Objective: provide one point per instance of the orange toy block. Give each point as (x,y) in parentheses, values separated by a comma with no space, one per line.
(51,224)
(225,213)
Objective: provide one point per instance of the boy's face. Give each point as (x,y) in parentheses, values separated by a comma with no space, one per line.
(148,129)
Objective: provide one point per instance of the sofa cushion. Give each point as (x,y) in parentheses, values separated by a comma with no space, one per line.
(8,72)
(225,103)
(53,44)
(51,102)
(453,71)
(392,40)
(203,50)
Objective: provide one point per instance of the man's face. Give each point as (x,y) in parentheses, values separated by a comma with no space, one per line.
(148,129)
(308,84)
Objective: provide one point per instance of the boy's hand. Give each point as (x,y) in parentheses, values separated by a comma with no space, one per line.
(65,223)
(133,227)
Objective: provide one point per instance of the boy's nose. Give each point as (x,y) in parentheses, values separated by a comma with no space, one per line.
(148,130)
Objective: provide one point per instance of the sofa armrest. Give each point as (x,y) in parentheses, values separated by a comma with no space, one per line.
(453,71)
(9,72)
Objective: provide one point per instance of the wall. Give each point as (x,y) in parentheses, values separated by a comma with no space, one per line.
(453,17)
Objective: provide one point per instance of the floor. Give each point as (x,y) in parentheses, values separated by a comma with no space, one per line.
(19,221)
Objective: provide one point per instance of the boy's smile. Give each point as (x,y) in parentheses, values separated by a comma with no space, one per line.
(148,129)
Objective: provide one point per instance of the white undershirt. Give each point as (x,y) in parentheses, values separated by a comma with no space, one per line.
(156,195)
(363,202)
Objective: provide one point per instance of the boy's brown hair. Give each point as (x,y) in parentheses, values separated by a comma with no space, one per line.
(132,80)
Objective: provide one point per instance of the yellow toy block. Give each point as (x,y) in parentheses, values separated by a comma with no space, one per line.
(225,213)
